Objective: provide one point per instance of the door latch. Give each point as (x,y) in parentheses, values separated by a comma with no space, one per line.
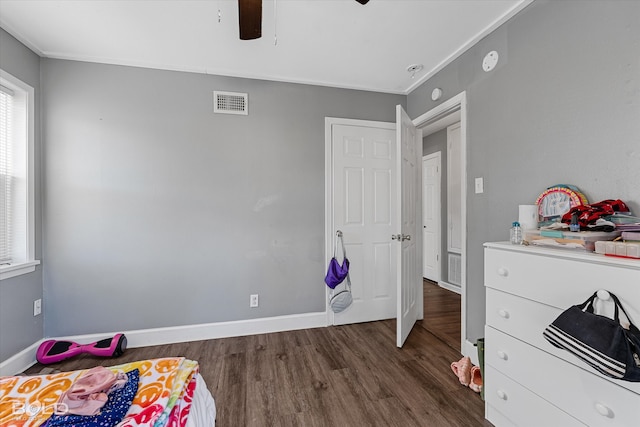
(401,237)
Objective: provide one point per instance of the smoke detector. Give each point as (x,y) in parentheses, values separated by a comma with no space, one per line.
(413,69)
(490,61)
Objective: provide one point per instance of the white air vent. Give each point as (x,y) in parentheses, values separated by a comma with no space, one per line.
(230,103)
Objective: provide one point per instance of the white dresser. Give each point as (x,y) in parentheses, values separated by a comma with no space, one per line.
(529,382)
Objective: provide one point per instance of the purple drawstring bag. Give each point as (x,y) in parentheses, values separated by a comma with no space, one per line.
(336,273)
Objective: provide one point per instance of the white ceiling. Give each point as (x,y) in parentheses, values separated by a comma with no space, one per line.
(337,43)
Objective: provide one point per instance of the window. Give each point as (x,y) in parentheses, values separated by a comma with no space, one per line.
(17,243)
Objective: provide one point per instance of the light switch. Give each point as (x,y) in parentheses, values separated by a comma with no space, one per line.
(479,185)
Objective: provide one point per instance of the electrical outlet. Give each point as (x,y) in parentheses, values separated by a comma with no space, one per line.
(37,307)
(479,185)
(253,300)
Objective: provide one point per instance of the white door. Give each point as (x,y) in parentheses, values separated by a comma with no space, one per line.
(362,186)
(408,241)
(431,207)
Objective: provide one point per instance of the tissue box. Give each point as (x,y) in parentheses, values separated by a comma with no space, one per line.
(580,240)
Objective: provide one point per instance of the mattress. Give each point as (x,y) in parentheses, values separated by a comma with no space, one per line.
(203,407)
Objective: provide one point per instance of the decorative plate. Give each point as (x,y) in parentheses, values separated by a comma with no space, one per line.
(557,200)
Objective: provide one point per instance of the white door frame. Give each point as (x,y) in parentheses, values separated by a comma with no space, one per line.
(454,105)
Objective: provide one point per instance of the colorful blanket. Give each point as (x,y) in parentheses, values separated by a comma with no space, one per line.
(164,396)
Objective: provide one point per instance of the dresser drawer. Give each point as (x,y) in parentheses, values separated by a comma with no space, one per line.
(560,282)
(525,320)
(591,399)
(517,406)
(519,317)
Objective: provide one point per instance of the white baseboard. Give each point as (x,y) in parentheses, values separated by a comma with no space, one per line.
(453,288)
(20,361)
(175,334)
(237,328)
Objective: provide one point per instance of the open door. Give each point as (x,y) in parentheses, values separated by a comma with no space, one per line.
(408,246)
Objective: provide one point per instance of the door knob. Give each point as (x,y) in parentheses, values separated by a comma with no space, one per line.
(396,237)
(406,237)
(604,410)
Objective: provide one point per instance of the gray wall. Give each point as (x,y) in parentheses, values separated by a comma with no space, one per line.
(562,106)
(18,328)
(161,213)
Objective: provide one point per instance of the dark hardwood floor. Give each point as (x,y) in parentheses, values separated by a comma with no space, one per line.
(349,375)
(442,313)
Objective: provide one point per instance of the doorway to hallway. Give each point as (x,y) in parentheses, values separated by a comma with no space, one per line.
(442,313)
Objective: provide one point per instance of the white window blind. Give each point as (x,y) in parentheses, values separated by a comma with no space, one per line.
(16,196)
(17,187)
(6,172)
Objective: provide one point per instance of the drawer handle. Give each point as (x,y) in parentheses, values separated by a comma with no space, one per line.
(503,272)
(503,313)
(502,395)
(604,411)
(502,355)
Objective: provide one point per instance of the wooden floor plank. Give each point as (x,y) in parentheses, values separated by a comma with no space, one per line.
(351,375)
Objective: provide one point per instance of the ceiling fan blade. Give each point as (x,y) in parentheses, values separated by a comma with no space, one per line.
(363,1)
(250,13)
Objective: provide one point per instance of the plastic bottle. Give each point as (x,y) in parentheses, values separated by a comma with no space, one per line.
(516,233)
(574,226)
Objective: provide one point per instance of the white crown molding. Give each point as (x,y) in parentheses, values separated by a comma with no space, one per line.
(482,34)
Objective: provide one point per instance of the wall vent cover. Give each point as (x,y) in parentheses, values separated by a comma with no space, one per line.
(230,103)
(455,269)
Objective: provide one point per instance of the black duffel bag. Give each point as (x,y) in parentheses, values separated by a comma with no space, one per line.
(601,342)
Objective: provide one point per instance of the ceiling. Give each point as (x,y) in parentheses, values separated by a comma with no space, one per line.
(338,43)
